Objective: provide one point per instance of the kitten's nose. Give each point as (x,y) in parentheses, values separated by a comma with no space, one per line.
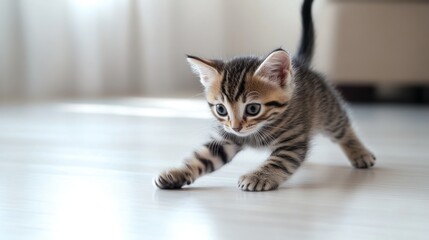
(237,129)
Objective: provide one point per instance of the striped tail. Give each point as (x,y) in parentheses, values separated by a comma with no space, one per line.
(306,48)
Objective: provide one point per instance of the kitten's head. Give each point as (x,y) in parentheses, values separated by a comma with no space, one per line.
(246,93)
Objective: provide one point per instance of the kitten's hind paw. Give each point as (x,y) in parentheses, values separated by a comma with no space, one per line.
(364,160)
(257,182)
(173,179)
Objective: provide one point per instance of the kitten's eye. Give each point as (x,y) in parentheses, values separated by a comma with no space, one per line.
(221,110)
(253,109)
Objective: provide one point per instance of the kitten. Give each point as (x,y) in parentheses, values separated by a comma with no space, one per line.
(276,102)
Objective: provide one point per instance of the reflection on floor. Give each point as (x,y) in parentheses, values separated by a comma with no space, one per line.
(83,170)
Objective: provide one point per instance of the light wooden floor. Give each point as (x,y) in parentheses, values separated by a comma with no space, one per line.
(84,170)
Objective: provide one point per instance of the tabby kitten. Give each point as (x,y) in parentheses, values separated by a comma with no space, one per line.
(276,102)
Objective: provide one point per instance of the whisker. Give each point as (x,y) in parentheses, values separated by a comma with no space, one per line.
(267,137)
(256,139)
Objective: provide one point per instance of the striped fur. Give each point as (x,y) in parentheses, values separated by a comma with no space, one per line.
(295,104)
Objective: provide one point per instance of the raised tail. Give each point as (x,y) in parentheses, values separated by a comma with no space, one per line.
(306,47)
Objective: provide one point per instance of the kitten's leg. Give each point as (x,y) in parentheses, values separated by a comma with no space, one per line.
(341,132)
(206,159)
(357,153)
(282,163)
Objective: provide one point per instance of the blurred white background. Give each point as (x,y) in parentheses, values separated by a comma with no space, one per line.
(90,113)
(52,49)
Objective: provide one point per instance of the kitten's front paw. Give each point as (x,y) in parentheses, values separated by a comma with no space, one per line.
(257,182)
(173,179)
(363,160)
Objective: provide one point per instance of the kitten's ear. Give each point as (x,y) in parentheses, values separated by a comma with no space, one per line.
(205,69)
(276,68)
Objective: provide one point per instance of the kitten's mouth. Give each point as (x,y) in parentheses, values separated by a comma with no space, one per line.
(243,132)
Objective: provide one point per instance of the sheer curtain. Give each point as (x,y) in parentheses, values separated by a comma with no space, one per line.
(52,49)
(68,48)
(92,48)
